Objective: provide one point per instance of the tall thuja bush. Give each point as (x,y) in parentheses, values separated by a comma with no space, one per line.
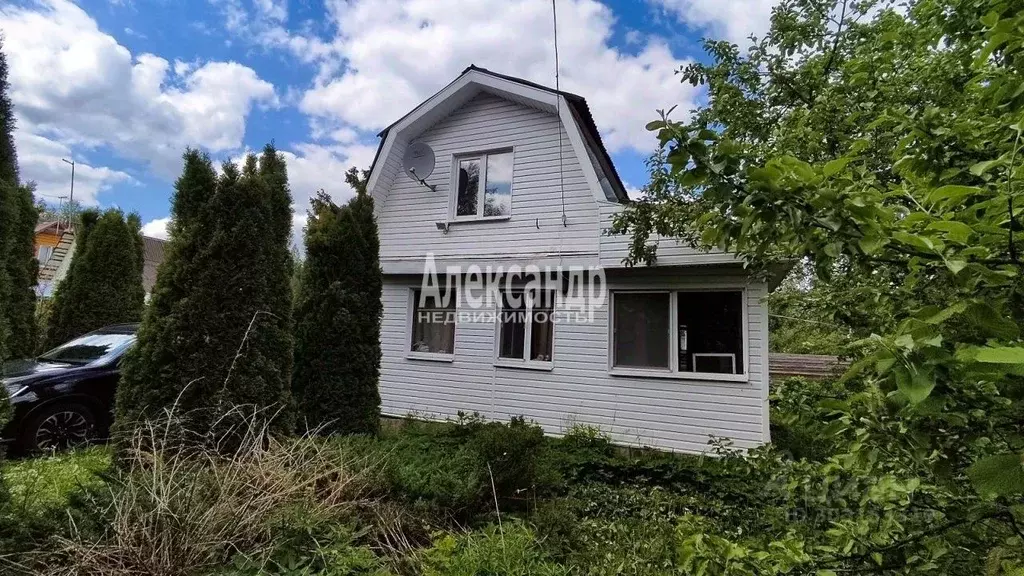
(104,281)
(337,317)
(8,203)
(217,331)
(8,215)
(22,271)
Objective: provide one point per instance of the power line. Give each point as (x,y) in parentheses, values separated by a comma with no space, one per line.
(558,111)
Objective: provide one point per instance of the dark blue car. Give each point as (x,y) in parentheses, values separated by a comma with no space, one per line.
(65,397)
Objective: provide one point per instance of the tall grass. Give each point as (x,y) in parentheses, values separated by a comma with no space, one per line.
(182,505)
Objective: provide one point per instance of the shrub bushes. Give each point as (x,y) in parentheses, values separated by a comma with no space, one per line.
(419,500)
(22,269)
(217,330)
(799,413)
(337,318)
(104,281)
(509,457)
(509,550)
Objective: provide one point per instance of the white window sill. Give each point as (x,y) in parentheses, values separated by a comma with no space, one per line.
(669,375)
(430,356)
(468,219)
(524,365)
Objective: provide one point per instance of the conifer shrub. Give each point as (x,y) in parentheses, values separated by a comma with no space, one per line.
(217,333)
(103,285)
(337,318)
(22,270)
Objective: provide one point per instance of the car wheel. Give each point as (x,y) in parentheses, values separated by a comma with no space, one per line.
(59,427)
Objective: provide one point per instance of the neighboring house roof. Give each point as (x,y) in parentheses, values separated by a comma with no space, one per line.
(54,270)
(47,227)
(153,255)
(577,108)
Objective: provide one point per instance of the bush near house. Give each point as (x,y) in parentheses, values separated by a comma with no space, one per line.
(418,499)
(218,329)
(337,317)
(103,285)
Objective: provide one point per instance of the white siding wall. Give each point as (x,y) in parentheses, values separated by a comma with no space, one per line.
(674,414)
(614,248)
(409,212)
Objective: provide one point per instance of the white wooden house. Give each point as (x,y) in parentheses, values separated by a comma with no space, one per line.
(674,353)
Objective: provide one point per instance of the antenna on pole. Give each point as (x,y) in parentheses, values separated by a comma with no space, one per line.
(71,197)
(558,110)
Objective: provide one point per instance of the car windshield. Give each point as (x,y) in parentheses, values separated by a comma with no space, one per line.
(90,349)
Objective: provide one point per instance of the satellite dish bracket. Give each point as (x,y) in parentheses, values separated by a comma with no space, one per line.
(421,180)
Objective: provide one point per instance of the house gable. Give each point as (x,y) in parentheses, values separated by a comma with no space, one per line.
(546,180)
(473,81)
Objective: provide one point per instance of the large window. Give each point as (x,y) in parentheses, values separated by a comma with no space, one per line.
(483,186)
(680,332)
(433,325)
(642,330)
(526,329)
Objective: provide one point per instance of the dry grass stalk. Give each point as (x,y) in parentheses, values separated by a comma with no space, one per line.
(181,504)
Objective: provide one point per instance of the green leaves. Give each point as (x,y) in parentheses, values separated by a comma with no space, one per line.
(1001,475)
(951,193)
(833,167)
(955,231)
(871,244)
(999,355)
(915,383)
(919,242)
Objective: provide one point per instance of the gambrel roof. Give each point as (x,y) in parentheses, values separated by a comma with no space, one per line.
(573,110)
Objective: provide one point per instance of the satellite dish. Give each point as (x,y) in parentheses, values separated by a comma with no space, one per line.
(418,161)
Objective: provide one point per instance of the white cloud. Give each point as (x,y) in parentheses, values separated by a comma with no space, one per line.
(633,192)
(276,10)
(299,231)
(388,56)
(94,93)
(39,160)
(733,20)
(182,68)
(157,228)
(313,167)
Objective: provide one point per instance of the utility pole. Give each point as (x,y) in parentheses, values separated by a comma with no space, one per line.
(71,197)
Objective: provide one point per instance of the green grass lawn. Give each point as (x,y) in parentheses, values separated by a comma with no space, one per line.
(37,484)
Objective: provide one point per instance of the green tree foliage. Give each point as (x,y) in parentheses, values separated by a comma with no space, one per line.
(337,316)
(887,144)
(17,247)
(813,313)
(8,216)
(8,201)
(68,213)
(22,271)
(8,154)
(103,285)
(217,331)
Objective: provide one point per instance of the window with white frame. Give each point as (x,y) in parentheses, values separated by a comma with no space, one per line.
(679,331)
(526,327)
(482,185)
(433,323)
(43,254)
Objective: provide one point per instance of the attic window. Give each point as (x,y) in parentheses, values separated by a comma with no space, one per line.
(493,199)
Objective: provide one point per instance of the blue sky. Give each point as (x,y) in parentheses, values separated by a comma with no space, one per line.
(122,86)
